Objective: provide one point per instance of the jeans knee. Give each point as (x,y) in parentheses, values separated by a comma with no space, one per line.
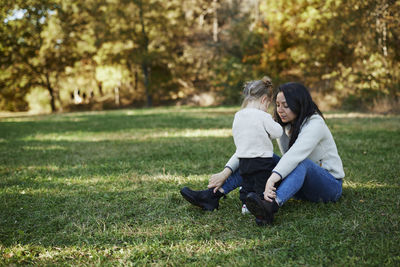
(339,193)
(307,163)
(302,167)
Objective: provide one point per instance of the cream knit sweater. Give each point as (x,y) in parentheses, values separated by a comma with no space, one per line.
(314,142)
(252,131)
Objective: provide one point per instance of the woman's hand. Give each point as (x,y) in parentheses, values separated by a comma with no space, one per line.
(218,179)
(270,190)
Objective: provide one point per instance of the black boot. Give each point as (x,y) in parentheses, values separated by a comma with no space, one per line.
(205,199)
(262,209)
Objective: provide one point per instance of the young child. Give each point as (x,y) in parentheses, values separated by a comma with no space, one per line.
(253,128)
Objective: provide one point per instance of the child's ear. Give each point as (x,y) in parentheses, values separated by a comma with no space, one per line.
(264,99)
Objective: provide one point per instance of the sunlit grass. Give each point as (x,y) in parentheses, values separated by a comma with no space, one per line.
(102,188)
(130,135)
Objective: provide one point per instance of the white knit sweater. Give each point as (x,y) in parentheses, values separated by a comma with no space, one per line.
(314,142)
(252,131)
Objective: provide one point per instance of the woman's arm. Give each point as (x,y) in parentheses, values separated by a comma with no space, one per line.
(283,142)
(310,135)
(218,179)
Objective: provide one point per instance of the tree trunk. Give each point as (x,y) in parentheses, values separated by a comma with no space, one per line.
(59,101)
(215,21)
(134,76)
(100,86)
(145,65)
(136,80)
(145,70)
(51,92)
(381,27)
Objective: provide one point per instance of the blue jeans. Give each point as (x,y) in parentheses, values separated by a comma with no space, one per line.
(307,181)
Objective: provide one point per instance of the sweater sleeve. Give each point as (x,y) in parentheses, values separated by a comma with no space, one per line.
(273,128)
(233,163)
(310,135)
(283,143)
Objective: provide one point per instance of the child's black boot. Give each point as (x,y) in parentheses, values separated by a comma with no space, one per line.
(205,199)
(263,210)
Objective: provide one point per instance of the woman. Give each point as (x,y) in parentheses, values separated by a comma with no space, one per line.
(309,169)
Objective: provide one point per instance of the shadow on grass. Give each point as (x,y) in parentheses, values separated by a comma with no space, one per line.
(140,210)
(115,122)
(69,159)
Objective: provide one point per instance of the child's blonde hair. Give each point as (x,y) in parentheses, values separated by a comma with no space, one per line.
(255,89)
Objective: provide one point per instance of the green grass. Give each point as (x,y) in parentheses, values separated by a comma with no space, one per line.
(102,188)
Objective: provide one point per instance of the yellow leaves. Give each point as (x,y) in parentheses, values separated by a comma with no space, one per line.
(109,75)
(297,54)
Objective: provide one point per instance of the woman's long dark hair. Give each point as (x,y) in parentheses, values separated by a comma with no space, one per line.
(300,102)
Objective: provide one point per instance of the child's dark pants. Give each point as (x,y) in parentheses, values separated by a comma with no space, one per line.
(255,173)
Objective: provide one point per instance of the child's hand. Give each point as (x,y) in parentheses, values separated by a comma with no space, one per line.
(218,179)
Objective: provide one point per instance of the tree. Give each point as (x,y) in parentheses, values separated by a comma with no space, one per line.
(167,50)
(340,48)
(36,48)
(145,41)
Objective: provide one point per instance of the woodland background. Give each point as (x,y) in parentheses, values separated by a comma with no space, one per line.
(60,55)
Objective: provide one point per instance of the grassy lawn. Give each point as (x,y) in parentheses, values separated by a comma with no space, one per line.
(102,188)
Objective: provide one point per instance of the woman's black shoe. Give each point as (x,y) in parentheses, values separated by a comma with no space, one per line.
(205,199)
(263,210)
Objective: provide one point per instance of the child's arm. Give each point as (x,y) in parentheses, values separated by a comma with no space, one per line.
(218,179)
(273,128)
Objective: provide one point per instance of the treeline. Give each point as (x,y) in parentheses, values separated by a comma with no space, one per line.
(151,52)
